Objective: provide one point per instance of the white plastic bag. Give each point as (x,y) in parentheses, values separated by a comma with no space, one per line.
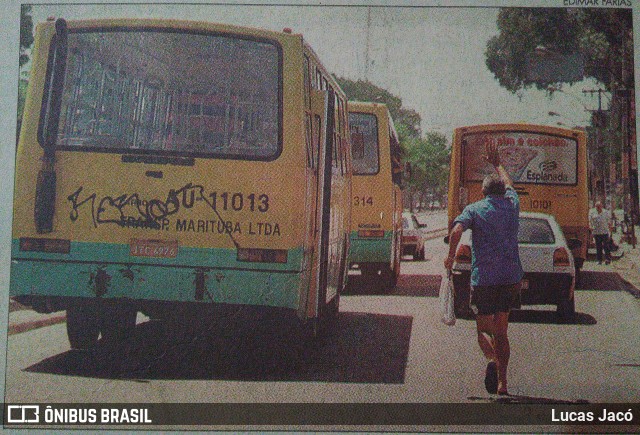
(446,300)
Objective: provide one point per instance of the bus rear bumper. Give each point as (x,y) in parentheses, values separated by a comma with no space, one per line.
(49,282)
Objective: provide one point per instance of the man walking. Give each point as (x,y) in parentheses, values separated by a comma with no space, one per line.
(601,226)
(495,267)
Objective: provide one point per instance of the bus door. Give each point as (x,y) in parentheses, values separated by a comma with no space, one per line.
(322,108)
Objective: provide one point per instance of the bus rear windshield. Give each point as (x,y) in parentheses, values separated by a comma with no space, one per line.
(529,158)
(168,92)
(364,143)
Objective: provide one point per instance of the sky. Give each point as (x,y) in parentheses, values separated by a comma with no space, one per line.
(430,54)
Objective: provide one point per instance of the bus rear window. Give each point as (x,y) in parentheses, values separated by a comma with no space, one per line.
(167,92)
(531,158)
(364,143)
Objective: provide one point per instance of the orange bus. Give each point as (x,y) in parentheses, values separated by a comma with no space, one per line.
(547,164)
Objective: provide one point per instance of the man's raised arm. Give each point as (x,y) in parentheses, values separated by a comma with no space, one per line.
(494,158)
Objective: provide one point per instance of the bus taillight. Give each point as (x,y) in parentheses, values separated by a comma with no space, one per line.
(255,255)
(463,254)
(370,233)
(54,246)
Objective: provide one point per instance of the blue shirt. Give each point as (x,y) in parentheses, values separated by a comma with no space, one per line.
(493,222)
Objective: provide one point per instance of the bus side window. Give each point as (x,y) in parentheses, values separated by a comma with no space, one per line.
(317,125)
(307,83)
(309,141)
(396,163)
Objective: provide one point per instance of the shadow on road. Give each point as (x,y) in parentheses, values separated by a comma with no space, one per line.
(408,285)
(529,400)
(364,347)
(548,317)
(604,281)
(544,317)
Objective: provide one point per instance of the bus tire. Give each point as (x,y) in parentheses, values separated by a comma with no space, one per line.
(82,325)
(388,276)
(328,323)
(118,321)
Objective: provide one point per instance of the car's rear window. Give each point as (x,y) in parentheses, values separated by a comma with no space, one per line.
(535,231)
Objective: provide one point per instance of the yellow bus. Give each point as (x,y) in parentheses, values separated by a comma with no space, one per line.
(376,219)
(547,164)
(176,167)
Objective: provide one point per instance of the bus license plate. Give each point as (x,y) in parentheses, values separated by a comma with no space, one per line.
(153,248)
(524,284)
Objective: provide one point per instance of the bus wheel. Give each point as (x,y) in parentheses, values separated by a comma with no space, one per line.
(118,321)
(368,271)
(389,277)
(329,320)
(82,325)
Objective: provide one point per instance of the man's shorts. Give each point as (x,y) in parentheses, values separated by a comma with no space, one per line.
(487,300)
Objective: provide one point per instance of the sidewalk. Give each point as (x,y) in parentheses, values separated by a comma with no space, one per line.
(628,267)
(23,319)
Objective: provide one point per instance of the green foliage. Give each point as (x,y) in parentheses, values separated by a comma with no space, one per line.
(429,157)
(602,36)
(362,90)
(26,33)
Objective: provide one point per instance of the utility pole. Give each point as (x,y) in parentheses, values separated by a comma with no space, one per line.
(368,45)
(599,122)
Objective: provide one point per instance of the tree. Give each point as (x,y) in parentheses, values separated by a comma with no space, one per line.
(429,157)
(362,90)
(602,36)
(26,40)
(26,33)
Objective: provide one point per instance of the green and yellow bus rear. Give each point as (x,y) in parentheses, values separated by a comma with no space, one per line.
(376,221)
(166,167)
(548,166)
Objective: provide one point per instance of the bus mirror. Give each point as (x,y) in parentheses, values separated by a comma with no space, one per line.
(50,110)
(446,240)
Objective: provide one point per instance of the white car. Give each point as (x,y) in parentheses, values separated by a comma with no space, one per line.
(412,237)
(549,271)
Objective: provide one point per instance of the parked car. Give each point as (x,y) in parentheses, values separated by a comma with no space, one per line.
(549,272)
(412,236)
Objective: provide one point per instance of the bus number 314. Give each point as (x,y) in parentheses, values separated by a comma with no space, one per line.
(362,200)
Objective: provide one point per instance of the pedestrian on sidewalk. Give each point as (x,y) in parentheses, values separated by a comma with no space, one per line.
(601,226)
(496,271)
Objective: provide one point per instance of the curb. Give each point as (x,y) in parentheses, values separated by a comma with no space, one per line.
(434,234)
(29,325)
